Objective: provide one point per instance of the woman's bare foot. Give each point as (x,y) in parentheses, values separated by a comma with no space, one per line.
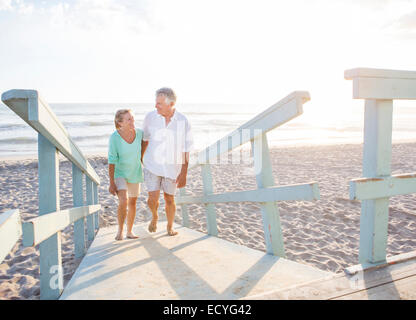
(153,226)
(131,235)
(119,236)
(172,232)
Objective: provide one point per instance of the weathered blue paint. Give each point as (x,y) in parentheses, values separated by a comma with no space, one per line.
(264,177)
(51,275)
(41,228)
(382,187)
(307,191)
(281,112)
(209,207)
(78,201)
(376,163)
(90,200)
(253,130)
(10,231)
(28,233)
(45,230)
(382,84)
(36,112)
(96,215)
(184,209)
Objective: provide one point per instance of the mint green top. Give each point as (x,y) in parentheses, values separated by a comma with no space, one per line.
(126,157)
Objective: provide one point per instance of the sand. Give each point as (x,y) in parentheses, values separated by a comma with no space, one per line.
(322,233)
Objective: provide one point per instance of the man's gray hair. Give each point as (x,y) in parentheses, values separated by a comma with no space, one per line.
(168,93)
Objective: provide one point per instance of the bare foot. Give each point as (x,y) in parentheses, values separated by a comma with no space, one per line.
(119,236)
(152,226)
(172,232)
(131,236)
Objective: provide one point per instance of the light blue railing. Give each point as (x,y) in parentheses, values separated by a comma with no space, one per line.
(45,230)
(267,194)
(379,88)
(10,231)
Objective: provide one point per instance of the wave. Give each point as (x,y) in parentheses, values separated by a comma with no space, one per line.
(344,129)
(215,113)
(83,113)
(71,124)
(12,126)
(28,140)
(18,140)
(91,138)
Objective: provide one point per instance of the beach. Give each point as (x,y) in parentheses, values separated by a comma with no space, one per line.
(322,233)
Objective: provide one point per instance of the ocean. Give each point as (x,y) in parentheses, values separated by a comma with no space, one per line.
(90,125)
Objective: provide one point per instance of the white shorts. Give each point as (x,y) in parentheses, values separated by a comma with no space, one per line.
(154,183)
(133,189)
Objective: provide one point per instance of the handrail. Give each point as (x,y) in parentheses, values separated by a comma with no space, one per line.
(267,194)
(45,230)
(293,192)
(379,88)
(41,228)
(382,84)
(281,112)
(10,231)
(36,112)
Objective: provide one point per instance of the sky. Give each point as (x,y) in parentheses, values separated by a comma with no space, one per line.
(218,51)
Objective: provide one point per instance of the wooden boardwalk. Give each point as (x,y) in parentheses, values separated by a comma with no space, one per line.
(395,280)
(192,265)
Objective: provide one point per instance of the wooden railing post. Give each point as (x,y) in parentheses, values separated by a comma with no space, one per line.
(51,274)
(376,163)
(267,194)
(90,200)
(378,87)
(96,215)
(209,207)
(184,208)
(78,200)
(269,210)
(53,137)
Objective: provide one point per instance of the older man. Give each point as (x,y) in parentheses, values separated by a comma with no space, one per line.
(165,154)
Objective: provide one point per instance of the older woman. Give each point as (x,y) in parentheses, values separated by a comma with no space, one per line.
(125,169)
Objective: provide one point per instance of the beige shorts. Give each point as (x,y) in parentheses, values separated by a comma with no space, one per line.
(154,183)
(133,189)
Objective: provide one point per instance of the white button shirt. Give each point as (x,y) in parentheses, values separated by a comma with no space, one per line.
(163,156)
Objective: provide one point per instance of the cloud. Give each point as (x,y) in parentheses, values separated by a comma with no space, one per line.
(375,3)
(403,27)
(85,14)
(91,14)
(407,22)
(6,5)
(18,6)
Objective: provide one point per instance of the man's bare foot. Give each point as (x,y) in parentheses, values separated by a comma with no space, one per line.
(131,235)
(152,226)
(172,232)
(119,236)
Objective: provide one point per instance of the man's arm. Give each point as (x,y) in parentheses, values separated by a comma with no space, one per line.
(181,180)
(144,147)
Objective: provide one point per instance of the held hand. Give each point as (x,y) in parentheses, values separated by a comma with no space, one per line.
(181,180)
(113,189)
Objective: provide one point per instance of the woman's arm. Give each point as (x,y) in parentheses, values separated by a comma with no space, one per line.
(113,187)
(112,160)
(144,147)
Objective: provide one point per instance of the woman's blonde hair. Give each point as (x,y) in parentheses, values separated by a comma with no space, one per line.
(119,116)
